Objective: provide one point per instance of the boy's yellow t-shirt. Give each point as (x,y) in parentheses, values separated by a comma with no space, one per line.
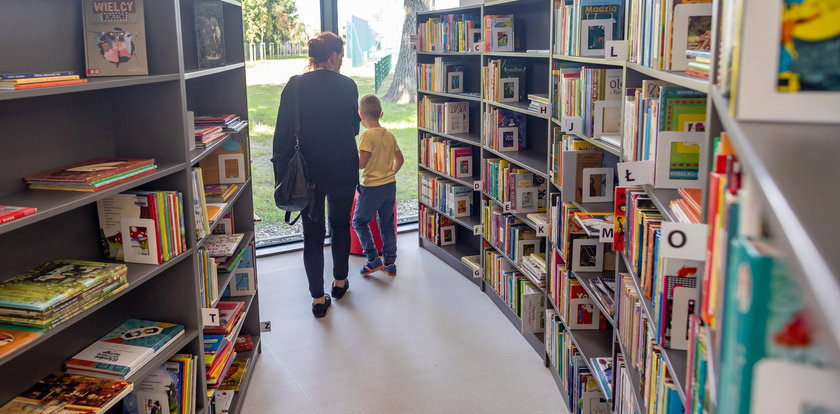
(382,146)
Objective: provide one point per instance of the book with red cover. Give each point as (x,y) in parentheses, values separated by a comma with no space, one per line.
(9,213)
(228,315)
(201,132)
(88,171)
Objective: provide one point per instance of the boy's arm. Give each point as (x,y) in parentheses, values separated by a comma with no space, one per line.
(364,156)
(398,161)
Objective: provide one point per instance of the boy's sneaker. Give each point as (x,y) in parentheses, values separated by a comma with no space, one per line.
(371,267)
(390,269)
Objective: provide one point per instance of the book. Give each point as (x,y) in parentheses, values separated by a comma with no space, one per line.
(229,312)
(499,33)
(24,81)
(223,245)
(226,164)
(162,391)
(9,213)
(29,75)
(244,281)
(599,22)
(603,367)
(89,171)
(235,374)
(42,84)
(62,392)
(244,343)
(125,349)
(56,282)
(114,38)
(12,339)
(457,117)
(219,193)
(209,33)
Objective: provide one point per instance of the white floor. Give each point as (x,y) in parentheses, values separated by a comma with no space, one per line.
(427,341)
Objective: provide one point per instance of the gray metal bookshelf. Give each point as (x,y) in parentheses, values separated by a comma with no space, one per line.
(785,160)
(131,117)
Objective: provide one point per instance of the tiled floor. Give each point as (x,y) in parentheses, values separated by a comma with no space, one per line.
(427,341)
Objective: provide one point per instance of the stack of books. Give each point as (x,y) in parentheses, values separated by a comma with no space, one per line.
(204,135)
(208,269)
(700,64)
(473,262)
(224,250)
(533,266)
(228,122)
(230,313)
(18,81)
(52,293)
(687,207)
(540,103)
(218,354)
(67,393)
(92,175)
(124,350)
(142,226)
(604,287)
(219,193)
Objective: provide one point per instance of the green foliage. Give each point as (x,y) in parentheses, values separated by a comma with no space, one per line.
(272,21)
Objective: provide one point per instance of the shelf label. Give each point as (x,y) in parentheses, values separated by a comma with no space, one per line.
(683,241)
(210,316)
(606,235)
(541,230)
(477,273)
(414,41)
(570,125)
(544,109)
(477,185)
(616,49)
(478,229)
(437,47)
(476,47)
(265,326)
(635,173)
(506,206)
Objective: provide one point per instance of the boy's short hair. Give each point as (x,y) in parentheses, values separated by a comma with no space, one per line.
(370,105)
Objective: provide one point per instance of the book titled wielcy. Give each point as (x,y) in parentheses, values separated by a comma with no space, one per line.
(115,38)
(125,349)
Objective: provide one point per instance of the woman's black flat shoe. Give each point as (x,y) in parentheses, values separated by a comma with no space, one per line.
(320,309)
(338,292)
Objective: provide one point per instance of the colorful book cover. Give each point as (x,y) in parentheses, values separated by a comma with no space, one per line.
(600,21)
(603,374)
(244,343)
(12,339)
(235,374)
(126,347)
(86,172)
(223,245)
(115,38)
(592,222)
(161,392)
(228,315)
(226,165)
(55,282)
(810,34)
(62,392)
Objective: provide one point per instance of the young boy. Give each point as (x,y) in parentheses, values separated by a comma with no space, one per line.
(380,159)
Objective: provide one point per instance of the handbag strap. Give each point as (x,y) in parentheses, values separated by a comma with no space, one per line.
(296,109)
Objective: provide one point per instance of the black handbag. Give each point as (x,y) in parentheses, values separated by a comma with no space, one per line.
(294,193)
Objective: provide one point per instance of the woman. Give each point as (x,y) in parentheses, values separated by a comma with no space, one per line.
(329,123)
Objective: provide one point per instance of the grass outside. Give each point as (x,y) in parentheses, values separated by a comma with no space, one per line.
(263,101)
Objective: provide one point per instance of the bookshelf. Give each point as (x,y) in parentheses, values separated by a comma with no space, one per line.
(772,154)
(132,117)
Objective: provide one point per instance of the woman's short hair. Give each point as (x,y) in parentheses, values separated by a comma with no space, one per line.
(321,47)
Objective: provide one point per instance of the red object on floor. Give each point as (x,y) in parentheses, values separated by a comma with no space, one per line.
(355,244)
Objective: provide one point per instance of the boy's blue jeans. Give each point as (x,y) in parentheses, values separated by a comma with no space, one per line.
(379,200)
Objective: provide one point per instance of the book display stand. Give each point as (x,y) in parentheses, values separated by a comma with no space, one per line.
(782,161)
(117,117)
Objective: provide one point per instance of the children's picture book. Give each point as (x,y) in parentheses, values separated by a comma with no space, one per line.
(161,391)
(455,81)
(12,339)
(140,241)
(603,367)
(61,392)
(235,374)
(785,67)
(209,33)
(9,213)
(244,280)
(587,255)
(457,117)
(499,33)
(115,38)
(244,343)
(692,28)
(680,156)
(600,21)
(229,312)
(223,245)
(56,282)
(125,349)
(86,172)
